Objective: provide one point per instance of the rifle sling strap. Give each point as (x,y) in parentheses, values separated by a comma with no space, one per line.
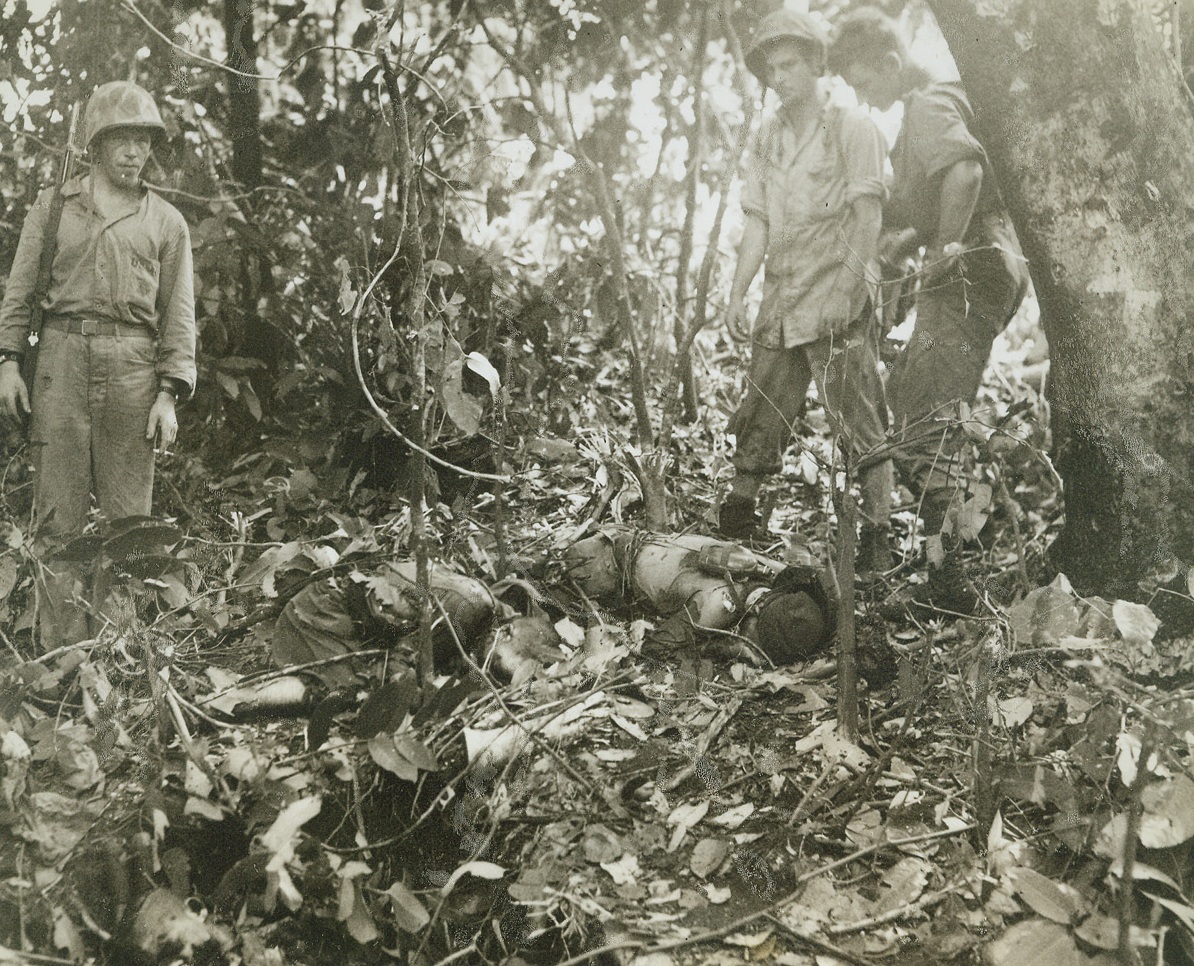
(45,265)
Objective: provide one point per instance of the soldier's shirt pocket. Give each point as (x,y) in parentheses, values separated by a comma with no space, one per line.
(143,273)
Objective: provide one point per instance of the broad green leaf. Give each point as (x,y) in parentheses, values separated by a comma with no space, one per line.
(732,818)
(56,823)
(386,708)
(239,365)
(264,567)
(463,408)
(601,844)
(230,384)
(142,539)
(14,538)
(901,884)
(409,913)
(251,399)
(973,514)
(392,591)
(281,837)
(1168,817)
(1055,901)
(482,870)
(1039,942)
(708,855)
(1010,712)
(1184,913)
(483,368)
(359,921)
(82,548)
(1102,932)
(8,576)
(1136,623)
(688,815)
(153,567)
(384,752)
(347,297)
(1045,615)
(417,753)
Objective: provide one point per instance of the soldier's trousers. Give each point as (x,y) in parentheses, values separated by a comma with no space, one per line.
(957,321)
(91,400)
(846,370)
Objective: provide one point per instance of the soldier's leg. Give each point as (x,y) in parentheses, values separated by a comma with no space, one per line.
(60,436)
(957,322)
(124,386)
(762,427)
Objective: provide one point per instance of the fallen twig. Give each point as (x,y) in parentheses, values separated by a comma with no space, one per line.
(819,944)
(870,849)
(188,744)
(1127,894)
(716,726)
(829,769)
(908,909)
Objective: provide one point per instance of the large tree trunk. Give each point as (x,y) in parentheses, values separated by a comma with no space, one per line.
(1086,120)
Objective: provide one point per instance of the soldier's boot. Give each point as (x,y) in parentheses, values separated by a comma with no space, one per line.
(737,518)
(949,586)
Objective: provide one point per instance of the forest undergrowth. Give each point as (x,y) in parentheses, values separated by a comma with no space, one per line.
(247,764)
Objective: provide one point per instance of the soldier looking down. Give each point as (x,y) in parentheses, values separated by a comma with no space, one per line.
(944,198)
(813,200)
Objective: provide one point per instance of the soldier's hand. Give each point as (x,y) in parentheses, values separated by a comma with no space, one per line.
(14,396)
(736,321)
(939,264)
(163,423)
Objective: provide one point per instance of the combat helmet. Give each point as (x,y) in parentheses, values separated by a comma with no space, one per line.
(120,104)
(784,24)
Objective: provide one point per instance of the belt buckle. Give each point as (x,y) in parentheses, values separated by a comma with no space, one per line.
(83,327)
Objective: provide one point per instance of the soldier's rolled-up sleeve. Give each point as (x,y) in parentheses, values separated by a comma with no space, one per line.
(176,308)
(863,155)
(940,136)
(14,312)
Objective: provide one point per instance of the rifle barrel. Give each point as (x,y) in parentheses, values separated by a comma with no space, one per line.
(68,157)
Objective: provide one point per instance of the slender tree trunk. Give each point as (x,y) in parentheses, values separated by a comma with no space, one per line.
(244,104)
(408,172)
(847,638)
(1086,119)
(696,162)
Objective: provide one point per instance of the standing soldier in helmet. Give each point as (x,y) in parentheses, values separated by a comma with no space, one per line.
(117,346)
(813,199)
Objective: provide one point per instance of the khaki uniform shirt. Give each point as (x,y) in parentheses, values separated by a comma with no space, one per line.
(935,136)
(134,268)
(804,190)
